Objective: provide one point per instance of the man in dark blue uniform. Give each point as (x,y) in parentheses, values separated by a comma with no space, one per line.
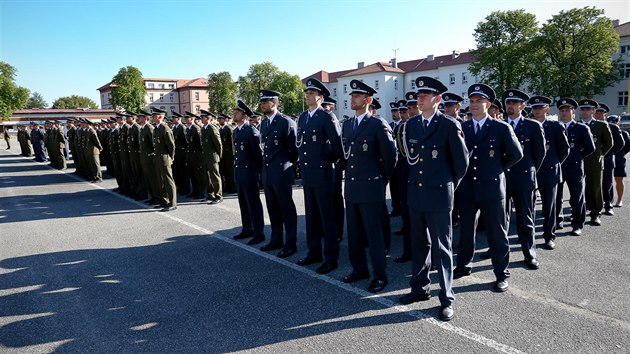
(248,162)
(329,105)
(452,104)
(550,172)
(394,184)
(609,159)
(279,155)
(437,154)
(521,178)
(371,156)
(319,147)
(582,145)
(493,148)
(37,139)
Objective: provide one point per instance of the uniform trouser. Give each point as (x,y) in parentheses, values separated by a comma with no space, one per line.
(523,201)
(180,171)
(493,215)
(251,208)
(320,223)
(364,225)
(61,158)
(593,192)
(117,171)
(576,201)
(432,230)
(8,143)
(195,170)
(125,170)
(138,187)
(226,169)
(40,152)
(386,226)
(212,179)
(394,191)
(338,201)
(548,194)
(95,167)
(404,211)
(607,187)
(282,212)
(147,161)
(165,181)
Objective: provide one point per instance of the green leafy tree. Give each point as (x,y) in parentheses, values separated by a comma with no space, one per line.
(128,93)
(292,100)
(74,102)
(506,53)
(258,77)
(222,91)
(12,97)
(36,101)
(578,46)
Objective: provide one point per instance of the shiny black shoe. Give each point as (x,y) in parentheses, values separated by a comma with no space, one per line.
(326,267)
(168,208)
(596,221)
(403,258)
(559,226)
(532,263)
(447,313)
(609,212)
(461,272)
(549,245)
(256,240)
(272,246)
(501,285)
(287,252)
(242,236)
(352,277)
(309,260)
(411,298)
(377,285)
(576,232)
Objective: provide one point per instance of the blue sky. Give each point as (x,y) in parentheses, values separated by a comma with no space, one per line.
(62,48)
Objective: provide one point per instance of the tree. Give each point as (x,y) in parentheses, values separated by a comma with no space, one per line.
(222,91)
(12,97)
(292,100)
(268,76)
(578,45)
(128,93)
(74,102)
(36,101)
(506,53)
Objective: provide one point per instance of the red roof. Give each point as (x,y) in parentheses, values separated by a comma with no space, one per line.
(374,68)
(437,62)
(325,76)
(198,82)
(623,30)
(61,111)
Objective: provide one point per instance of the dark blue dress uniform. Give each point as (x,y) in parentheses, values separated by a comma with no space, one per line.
(279,156)
(371,156)
(609,162)
(582,145)
(37,139)
(492,150)
(549,174)
(620,156)
(402,172)
(521,178)
(319,146)
(248,163)
(438,159)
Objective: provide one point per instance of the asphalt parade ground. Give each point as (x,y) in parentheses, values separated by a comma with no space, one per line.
(86,270)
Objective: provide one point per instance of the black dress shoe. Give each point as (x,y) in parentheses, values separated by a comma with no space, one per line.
(485,255)
(608,212)
(447,313)
(377,285)
(411,298)
(501,285)
(287,252)
(352,277)
(596,221)
(272,246)
(309,260)
(532,263)
(559,226)
(403,258)
(256,240)
(326,267)
(576,232)
(549,245)
(168,208)
(461,272)
(243,235)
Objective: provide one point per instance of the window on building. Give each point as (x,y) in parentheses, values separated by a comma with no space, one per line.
(345,104)
(150,97)
(395,84)
(161,86)
(625,70)
(197,109)
(464,77)
(465,97)
(171,96)
(623,99)
(161,97)
(345,88)
(151,85)
(196,96)
(624,49)
(451,79)
(172,108)
(171,86)
(376,84)
(335,92)
(413,84)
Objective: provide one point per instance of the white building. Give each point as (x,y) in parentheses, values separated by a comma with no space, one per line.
(616,96)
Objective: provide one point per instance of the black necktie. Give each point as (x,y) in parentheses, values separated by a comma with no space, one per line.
(513,124)
(425,122)
(477,127)
(356,124)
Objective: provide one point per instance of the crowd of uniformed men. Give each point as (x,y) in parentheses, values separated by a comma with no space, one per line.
(446,167)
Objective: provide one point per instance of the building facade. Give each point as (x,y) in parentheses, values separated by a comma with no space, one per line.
(616,96)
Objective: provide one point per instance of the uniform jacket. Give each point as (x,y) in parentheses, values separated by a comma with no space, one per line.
(279,150)
(439,159)
(618,145)
(248,157)
(193,139)
(602,137)
(581,144)
(319,147)
(211,143)
(163,140)
(146,140)
(227,142)
(492,150)
(92,144)
(558,148)
(179,133)
(522,176)
(133,138)
(113,143)
(370,152)
(123,134)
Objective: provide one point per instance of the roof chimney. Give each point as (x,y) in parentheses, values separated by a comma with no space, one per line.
(616,23)
(430,57)
(360,65)
(393,63)
(455,54)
